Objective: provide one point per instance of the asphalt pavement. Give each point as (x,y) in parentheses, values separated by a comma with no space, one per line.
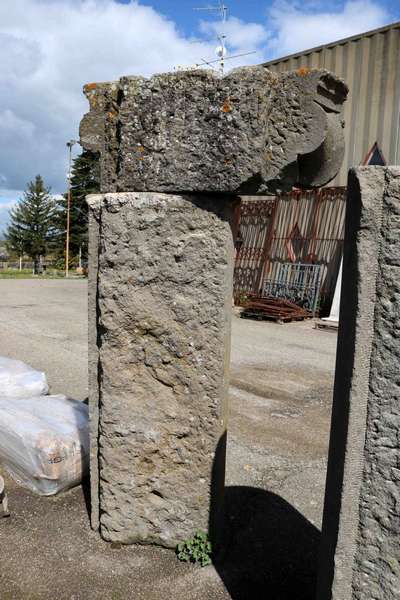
(280,398)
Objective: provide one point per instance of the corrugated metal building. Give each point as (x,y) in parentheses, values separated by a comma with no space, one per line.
(369,63)
(307,228)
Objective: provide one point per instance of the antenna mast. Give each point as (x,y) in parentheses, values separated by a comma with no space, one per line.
(221,49)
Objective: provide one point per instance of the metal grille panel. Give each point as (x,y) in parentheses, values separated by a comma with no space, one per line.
(304,227)
(297,282)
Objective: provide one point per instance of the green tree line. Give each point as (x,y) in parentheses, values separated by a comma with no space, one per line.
(38,221)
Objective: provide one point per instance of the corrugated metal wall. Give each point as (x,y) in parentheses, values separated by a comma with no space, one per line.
(369,63)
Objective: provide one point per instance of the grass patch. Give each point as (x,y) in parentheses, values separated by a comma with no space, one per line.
(27,274)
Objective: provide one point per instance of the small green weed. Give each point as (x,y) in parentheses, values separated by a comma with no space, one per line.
(241,299)
(196,549)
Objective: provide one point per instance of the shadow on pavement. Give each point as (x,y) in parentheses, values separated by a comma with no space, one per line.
(269,549)
(86,495)
(265,548)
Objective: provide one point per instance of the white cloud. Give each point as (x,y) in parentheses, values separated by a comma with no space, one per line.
(50,48)
(3,221)
(7,204)
(11,125)
(302,25)
(8,199)
(21,56)
(241,36)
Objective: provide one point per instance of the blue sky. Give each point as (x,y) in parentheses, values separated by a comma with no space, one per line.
(186,18)
(50,48)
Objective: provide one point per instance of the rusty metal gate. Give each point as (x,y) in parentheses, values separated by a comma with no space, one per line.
(302,227)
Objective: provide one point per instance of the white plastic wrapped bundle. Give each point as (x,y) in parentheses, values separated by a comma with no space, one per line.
(18,380)
(44,442)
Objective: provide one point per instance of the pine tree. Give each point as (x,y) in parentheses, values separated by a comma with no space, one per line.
(85,180)
(32,223)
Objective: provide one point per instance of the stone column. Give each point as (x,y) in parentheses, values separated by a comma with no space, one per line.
(161,271)
(175,151)
(360,550)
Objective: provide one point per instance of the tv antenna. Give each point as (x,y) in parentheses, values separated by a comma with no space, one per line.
(220,50)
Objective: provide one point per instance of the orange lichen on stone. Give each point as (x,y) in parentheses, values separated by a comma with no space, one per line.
(111,114)
(226,107)
(303,71)
(140,149)
(90,86)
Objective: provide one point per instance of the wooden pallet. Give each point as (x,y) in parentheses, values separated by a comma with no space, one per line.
(276,319)
(327,325)
(274,309)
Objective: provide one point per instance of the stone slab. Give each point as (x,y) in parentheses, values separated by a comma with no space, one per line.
(249,132)
(161,273)
(360,552)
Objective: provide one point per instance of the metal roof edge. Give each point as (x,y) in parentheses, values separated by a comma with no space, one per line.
(353,38)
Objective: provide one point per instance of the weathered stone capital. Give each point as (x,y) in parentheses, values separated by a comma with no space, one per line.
(249,132)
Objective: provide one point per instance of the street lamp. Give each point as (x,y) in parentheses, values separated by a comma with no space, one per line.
(69,146)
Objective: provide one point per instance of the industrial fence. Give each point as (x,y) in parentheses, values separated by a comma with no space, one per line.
(13,264)
(290,246)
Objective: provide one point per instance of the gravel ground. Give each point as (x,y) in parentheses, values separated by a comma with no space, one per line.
(280,395)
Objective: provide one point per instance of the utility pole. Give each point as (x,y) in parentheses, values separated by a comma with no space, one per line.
(69,146)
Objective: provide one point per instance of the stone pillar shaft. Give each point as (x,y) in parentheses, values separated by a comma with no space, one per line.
(161,288)
(161,273)
(360,550)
